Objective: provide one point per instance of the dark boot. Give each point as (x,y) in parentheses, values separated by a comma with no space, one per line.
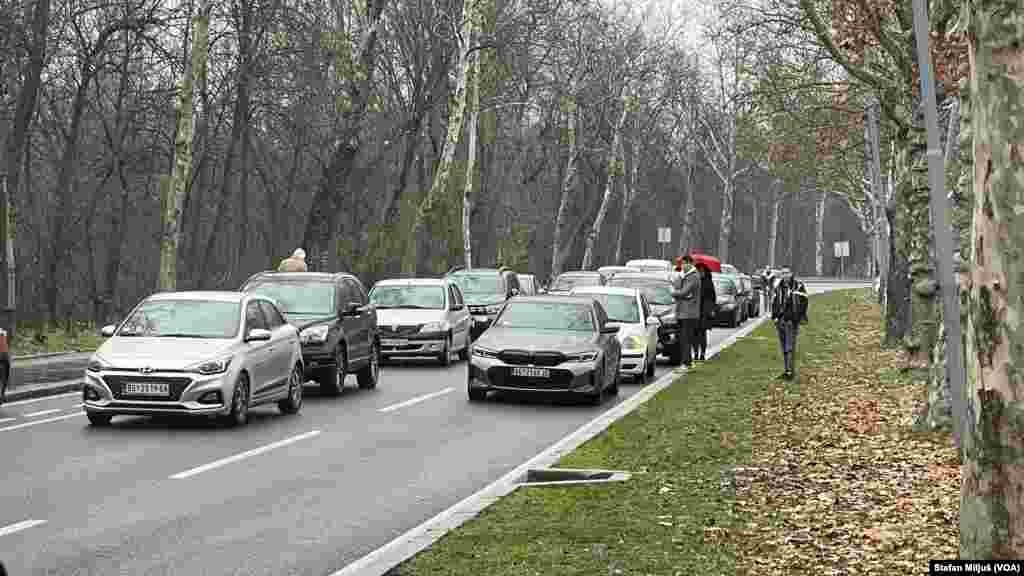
(789,365)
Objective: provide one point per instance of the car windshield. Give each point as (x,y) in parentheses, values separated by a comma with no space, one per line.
(567,282)
(619,307)
(426,297)
(561,316)
(479,283)
(303,298)
(184,319)
(657,293)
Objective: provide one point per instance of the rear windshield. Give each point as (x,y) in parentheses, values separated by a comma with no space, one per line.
(484,283)
(568,282)
(303,298)
(656,292)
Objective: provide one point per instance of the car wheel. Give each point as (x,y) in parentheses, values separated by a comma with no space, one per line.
(675,355)
(651,365)
(369,375)
(97,419)
(239,414)
(332,380)
(597,398)
(614,389)
(293,403)
(445,357)
(464,353)
(477,395)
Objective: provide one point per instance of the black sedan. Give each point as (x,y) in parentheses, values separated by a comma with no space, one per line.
(547,344)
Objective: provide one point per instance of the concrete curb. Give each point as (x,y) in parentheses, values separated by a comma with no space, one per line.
(42,390)
(382,560)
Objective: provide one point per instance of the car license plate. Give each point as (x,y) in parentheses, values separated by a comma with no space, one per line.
(531,372)
(394,342)
(147,388)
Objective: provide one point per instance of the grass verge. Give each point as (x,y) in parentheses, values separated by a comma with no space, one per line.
(679,514)
(37,338)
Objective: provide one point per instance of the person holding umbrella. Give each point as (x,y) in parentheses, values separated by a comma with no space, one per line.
(686,293)
(708,304)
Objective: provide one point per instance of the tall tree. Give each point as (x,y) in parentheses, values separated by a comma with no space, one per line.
(992,501)
(174,188)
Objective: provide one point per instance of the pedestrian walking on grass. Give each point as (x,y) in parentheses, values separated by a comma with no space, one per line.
(686,293)
(789,309)
(294,263)
(708,303)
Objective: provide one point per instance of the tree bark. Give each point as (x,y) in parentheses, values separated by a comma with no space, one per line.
(627,205)
(615,169)
(456,121)
(992,498)
(174,189)
(470,177)
(819,234)
(572,116)
(689,216)
(773,223)
(725,222)
(17,139)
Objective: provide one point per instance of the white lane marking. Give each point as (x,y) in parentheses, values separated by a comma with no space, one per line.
(2,420)
(43,421)
(41,399)
(42,412)
(243,455)
(19,526)
(417,400)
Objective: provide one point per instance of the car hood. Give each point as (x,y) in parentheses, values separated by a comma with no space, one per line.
(406,316)
(160,353)
(482,299)
(535,340)
(627,329)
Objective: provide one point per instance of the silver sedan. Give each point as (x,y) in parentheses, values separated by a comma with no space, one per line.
(196,353)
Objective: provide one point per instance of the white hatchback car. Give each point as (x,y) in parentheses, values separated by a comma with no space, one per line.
(196,353)
(638,327)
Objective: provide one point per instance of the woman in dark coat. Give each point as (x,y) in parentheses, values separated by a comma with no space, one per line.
(708,303)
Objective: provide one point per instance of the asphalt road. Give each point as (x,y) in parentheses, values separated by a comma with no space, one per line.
(305,494)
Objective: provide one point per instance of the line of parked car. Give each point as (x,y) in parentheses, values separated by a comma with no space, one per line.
(219,353)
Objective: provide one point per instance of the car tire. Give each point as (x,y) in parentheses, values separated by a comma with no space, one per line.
(651,366)
(293,402)
(675,354)
(477,395)
(614,388)
(332,380)
(97,419)
(369,375)
(239,413)
(597,398)
(445,357)
(464,353)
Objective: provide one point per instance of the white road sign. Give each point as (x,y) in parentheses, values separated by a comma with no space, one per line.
(664,235)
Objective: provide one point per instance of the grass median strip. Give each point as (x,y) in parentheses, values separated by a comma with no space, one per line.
(676,514)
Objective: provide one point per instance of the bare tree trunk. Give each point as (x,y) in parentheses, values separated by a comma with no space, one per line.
(689,216)
(558,253)
(627,207)
(773,224)
(17,140)
(992,490)
(615,170)
(475,71)
(174,189)
(456,120)
(819,234)
(725,225)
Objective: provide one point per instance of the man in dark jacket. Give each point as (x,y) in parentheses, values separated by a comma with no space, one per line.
(686,293)
(789,308)
(708,302)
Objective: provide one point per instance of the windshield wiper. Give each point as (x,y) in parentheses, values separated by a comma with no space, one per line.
(179,335)
(416,307)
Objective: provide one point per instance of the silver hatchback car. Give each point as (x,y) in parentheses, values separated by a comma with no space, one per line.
(196,353)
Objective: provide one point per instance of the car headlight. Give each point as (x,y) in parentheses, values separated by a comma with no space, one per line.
(97,365)
(484,352)
(434,327)
(493,309)
(315,334)
(632,343)
(581,357)
(211,367)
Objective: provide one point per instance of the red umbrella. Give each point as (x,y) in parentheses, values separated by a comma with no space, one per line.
(708,261)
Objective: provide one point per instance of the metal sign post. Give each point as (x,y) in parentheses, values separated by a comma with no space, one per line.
(664,238)
(941,227)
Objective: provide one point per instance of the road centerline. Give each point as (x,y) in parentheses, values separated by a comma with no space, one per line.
(19,526)
(243,455)
(42,412)
(42,421)
(417,400)
(41,399)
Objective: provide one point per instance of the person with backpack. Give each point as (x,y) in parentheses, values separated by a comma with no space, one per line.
(789,310)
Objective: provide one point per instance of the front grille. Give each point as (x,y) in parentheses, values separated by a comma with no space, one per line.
(514,356)
(520,357)
(548,358)
(116,382)
(393,330)
(501,376)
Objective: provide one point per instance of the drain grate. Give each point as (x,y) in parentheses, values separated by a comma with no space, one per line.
(570,477)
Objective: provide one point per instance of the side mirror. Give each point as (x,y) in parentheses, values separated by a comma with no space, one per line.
(108,330)
(257,335)
(515,291)
(457,307)
(653,321)
(353,309)
(612,329)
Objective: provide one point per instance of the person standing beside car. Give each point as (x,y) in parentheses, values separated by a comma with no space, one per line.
(708,302)
(687,294)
